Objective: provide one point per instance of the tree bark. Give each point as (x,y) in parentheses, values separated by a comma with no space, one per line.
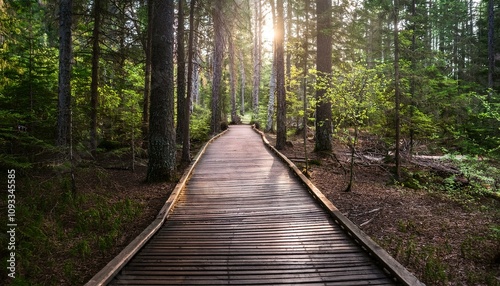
(162,148)
(272,90)
(243,83)
(397,95)
(232,80)
(64,96)
(196,78)
(181,75)
(324,67)
(186,146)
(280,77)
(272,80)
(147,76)
(257,57)
(217,67)
(491,47)
(94,85)
(288,62)
(196,67)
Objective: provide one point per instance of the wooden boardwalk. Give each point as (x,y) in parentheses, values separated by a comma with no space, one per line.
(245,219)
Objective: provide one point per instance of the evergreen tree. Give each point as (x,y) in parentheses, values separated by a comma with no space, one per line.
(64,106)
(217,14)
(162,149)
(324,67)
(280,77)
(94,86)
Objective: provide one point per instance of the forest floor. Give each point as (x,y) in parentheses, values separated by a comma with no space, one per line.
(443,238)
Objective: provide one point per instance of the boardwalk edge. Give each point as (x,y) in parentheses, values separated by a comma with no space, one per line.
(106,274)
(391,265)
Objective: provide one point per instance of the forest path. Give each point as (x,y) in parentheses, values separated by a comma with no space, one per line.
(244,218)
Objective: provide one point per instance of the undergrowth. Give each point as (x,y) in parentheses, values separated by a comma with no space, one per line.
(431,261)
(58,227)
(474,179)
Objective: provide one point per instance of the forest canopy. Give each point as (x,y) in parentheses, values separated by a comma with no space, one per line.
(258,59)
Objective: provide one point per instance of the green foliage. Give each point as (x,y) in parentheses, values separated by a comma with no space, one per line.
(481,177)
(295,98)
(435,271)
(260,119)
(353,91)
(200,124)
(22,151)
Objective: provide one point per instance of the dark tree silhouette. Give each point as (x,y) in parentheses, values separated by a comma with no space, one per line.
(64,103)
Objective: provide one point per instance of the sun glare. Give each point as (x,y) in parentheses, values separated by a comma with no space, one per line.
(267,33)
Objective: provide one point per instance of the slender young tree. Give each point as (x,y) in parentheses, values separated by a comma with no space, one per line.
(280,77)
(491,47)
(161,165)
(243,83)
(257,56)
(288,62)
(272,79)
(413,67)
(147,75)
(94,85)
(186,146)
(195,76)
(232,79)
(397,92)
(217,67)
(324,67)
(64,101)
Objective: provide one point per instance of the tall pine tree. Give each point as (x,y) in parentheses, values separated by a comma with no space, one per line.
(162,148)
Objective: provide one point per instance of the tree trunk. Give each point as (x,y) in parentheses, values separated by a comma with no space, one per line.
(195,75)
(305,45)
(272,90)
(196,78)
(181,75)
(147,76)
(232,80)
(217,67)
(243,83)
(186,146)
(257,57)
(351,164)
(280,77)
(162,148)
(288,62)
(272,80)
(413,75)
(94,85)
(397,95)
(491,47)
(324,67)
(64,96)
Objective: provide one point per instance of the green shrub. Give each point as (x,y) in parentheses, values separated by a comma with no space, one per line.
(200,124)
